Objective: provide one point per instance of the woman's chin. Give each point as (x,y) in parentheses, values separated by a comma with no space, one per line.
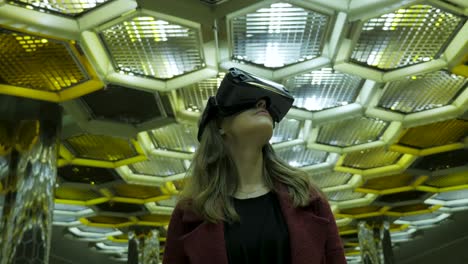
(263,134)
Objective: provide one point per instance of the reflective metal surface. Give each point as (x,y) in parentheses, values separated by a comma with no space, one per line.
(375,243)
(143,246)
(27,174)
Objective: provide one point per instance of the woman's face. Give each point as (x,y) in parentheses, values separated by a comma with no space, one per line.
(252,124)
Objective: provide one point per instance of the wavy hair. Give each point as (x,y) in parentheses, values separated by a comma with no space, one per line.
(213,178)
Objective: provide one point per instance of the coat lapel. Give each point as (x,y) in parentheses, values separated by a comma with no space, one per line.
(307,231)
(205,243)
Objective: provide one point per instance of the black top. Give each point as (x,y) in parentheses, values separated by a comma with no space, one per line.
(261,236)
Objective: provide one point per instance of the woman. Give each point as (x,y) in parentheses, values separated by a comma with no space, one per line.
(242,203)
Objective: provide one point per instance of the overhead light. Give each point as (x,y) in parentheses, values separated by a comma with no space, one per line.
(28,52)
(176,137)
(422,92)
(159,166)
(48,68)
(195,96)
(408,36)
(100,147)
(359,130)
(371,158)
(450,131)
(70,8)
(274,36)
(330,178)
(300,156)
(286,130)
(153,47)
(344,195)
(323,89)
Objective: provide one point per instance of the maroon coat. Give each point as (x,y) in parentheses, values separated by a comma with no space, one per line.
(312,230)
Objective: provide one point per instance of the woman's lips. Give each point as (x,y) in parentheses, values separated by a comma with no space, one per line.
(263,112)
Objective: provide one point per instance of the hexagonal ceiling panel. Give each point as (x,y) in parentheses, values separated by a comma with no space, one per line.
(76,193)
(70,8)
(286,130)
(323,89)
(28,53)
(125,208)
(87,175)
(195,96)
(405,37)
(91,146)
(436,134)
(153,47)
(330,179)
(43,67)
(100,151)
(175,137)
(159,167)
(290,32)
(445,160)
(300,156)
(358,131)
(422,92)
(128,105)
(371,158)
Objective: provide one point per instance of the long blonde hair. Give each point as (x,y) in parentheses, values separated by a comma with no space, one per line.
(213,179)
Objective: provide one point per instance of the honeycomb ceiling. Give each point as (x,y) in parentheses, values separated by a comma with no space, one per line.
(379,121)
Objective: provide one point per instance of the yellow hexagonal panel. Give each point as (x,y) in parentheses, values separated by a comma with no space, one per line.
(445,183)
(414,209)
(377,160)
(68,194)
(433,138)
(100,151)
(154,220)
(138,194)
(391,184)
(107,221)
(44,68)
(363,212)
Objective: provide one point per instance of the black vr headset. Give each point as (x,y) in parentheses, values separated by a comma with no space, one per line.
(240,91)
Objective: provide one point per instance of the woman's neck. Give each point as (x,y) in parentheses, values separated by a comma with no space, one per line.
(249,164)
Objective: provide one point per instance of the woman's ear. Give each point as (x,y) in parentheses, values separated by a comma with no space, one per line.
(221,124)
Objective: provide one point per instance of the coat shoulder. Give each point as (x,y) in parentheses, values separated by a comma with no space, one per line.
(319,206)
(185,213)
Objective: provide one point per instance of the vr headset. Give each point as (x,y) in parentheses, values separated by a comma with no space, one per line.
(240,91)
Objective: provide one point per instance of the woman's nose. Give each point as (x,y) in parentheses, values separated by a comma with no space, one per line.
(261,104)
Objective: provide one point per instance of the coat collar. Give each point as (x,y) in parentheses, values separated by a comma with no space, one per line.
(307,233)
